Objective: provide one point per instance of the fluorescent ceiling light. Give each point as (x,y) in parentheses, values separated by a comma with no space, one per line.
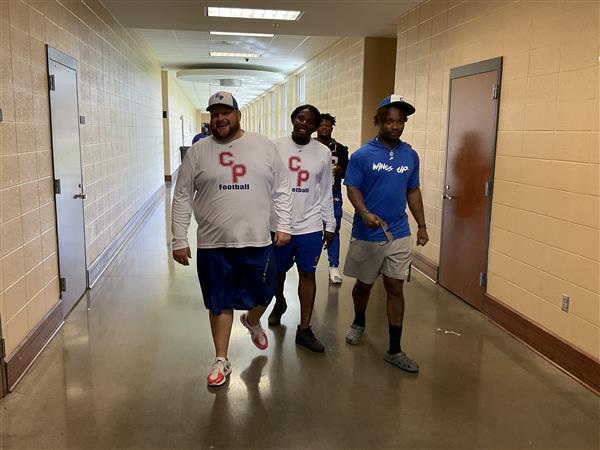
(235,33)
(247,13)
(235,55)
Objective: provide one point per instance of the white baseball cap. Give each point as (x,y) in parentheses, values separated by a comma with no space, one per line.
(397,100)
(222,98)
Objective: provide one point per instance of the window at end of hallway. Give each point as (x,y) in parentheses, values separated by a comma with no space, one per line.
(301,89)
(284,117)
(272,128)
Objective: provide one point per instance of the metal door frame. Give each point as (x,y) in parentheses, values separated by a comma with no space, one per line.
(70,62)
(489,65)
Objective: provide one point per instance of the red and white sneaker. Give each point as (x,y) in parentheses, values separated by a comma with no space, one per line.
(221,368)
(258,335)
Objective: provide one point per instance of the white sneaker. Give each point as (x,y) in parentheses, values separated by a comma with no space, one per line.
(334,275)
(258,335)
(217,376)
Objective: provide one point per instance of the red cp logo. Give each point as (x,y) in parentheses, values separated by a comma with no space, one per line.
(237,170)
(294,163)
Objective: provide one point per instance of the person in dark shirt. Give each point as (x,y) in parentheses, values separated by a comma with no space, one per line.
(339,160)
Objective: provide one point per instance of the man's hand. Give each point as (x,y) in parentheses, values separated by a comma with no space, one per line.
(337,170)
(327,239)
(422,236)
(282,238)
(182,256)
(372,220)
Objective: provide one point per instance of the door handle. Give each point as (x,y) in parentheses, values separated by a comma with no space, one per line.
(447,197)
(81,196)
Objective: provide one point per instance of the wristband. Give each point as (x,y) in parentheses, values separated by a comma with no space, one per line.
(422,227)
(365,213)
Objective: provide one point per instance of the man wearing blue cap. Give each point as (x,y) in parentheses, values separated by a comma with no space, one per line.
(382,178)
(232,181)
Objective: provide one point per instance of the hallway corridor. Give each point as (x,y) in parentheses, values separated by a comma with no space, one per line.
(130,372)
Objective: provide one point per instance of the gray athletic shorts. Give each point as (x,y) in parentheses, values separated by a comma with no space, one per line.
(366,259)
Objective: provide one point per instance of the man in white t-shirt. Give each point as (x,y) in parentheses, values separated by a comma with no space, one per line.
(231,181)
(309,173)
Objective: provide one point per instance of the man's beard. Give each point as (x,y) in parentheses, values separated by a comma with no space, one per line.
(233,129)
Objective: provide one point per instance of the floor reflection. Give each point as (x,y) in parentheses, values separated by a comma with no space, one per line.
(130,372)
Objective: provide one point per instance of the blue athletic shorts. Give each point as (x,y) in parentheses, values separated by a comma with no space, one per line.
(303,249)
(236,278)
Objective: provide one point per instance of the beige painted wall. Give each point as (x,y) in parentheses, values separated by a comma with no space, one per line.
(378,82)
(545,219)
(201,117)
(181,121)
(121,144)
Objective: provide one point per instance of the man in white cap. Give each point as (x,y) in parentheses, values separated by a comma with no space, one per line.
(382,178)
(231,181)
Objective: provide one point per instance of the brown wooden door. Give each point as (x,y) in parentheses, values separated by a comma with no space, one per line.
(466,207)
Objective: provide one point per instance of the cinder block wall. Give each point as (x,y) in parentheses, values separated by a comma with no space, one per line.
(121,143)
(545,219)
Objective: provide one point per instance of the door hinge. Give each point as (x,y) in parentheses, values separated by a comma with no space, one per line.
(495,91)
(488,188)
(63,284)
(2,348)
(56,186)
(482,279)
(51,85)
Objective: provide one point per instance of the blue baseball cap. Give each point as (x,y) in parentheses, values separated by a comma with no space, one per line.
(222,98)
(397,100)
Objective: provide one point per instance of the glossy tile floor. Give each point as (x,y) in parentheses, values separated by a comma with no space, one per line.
(129,372)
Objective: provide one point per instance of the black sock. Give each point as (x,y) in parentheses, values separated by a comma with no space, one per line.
(359,318)
(395,335)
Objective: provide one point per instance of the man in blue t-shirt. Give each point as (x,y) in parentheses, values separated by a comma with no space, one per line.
(382,178)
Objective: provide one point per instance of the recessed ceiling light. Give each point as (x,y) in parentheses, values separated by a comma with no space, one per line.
(234,33)
(235,55)
(248,13)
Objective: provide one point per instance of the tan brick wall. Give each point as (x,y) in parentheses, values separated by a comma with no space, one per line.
(121,143)
(334,84)
(545,219)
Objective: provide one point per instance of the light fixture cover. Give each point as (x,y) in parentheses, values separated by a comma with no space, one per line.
(248,13)
(235,54)
(235,33)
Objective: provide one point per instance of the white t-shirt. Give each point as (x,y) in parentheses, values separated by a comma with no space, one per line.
(232,189)
(310,177)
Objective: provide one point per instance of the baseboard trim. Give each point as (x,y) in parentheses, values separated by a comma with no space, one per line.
(101,263)
(426,266)
(577,364)
(19,361)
